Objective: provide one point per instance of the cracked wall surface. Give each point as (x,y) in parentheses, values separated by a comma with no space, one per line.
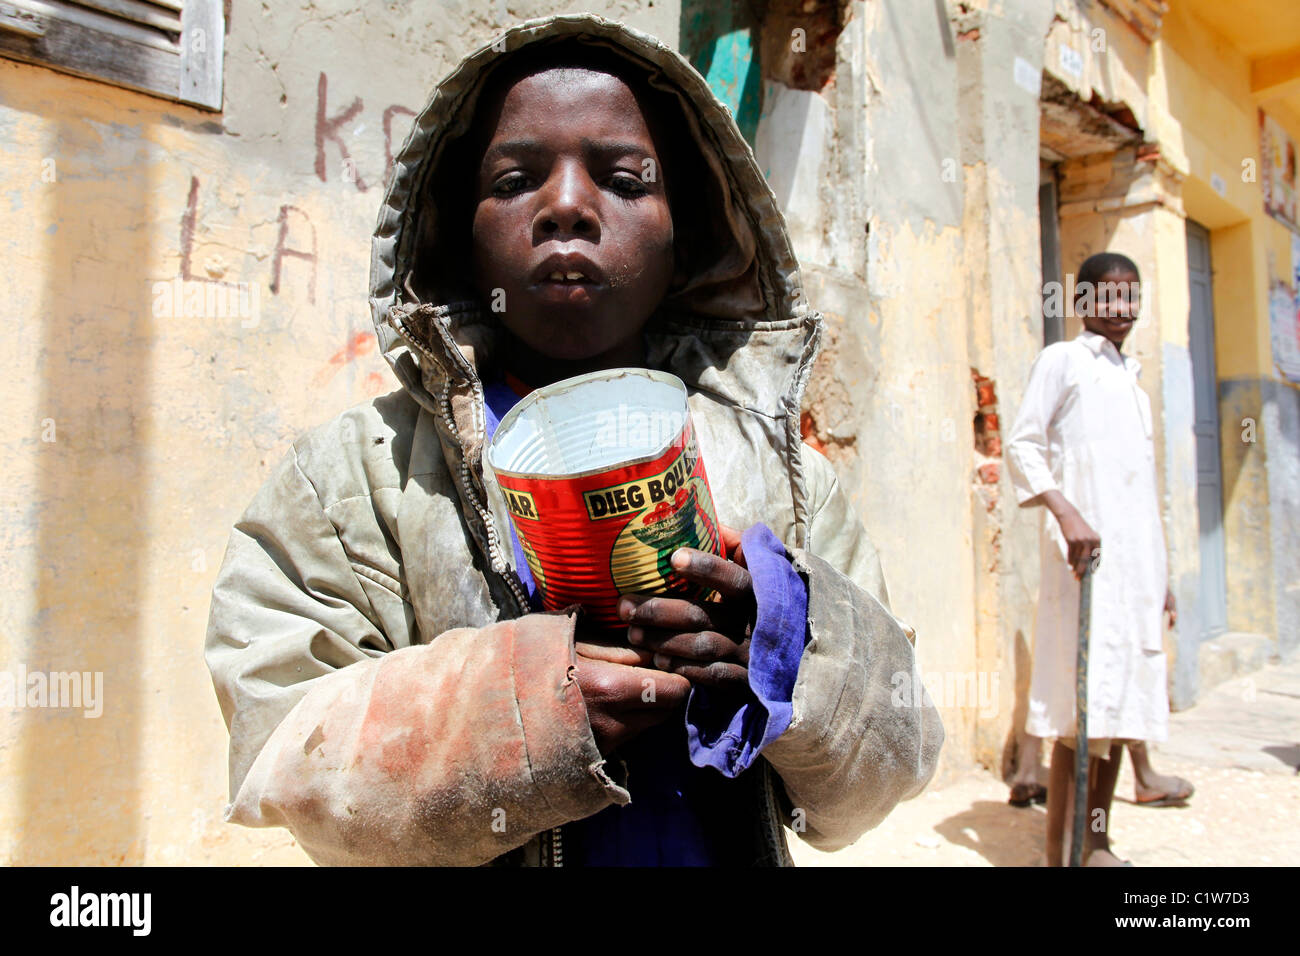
(141,421)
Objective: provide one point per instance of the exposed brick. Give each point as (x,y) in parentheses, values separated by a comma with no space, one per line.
(808,431)
(989,473)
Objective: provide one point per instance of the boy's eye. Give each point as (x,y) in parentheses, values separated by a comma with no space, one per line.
(509,185)
(625,184)
(628,185)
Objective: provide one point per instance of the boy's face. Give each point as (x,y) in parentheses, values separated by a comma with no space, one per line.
(569,226)
(1113,307)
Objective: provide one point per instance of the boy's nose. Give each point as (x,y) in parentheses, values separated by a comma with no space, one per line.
(568,207)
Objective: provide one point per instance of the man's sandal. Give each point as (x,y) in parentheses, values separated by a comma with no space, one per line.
(1023,794)
(1174,798)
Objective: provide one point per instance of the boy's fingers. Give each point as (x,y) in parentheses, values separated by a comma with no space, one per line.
(648,689)
(726,577)
(669,614)
(607,685)
(717,674)
(706,646)
(614,654)
(731,544)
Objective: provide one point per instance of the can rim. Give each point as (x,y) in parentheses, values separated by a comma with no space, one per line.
(546,391)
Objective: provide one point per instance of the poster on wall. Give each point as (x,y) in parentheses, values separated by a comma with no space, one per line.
(1278,171)
(1284,318)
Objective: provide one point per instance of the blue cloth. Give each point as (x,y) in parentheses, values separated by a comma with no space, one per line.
(725,731)
(728,731)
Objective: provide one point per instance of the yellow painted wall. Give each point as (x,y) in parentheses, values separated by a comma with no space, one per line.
(1206,82)
(134,434)
(1207,85)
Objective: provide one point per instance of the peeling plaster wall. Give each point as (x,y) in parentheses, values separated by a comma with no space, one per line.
(1099,57)
(892,391)
(999,128)
(1281,421)
(925,146)
(136,432)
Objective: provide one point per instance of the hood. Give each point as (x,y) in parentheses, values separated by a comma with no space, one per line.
(739,327)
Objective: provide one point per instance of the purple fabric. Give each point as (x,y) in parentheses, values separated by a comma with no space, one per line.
(662,826)
(728,731)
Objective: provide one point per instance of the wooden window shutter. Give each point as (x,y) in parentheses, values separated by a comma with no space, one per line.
(169,48)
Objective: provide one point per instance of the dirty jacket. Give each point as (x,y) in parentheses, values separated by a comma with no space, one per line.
(391,699)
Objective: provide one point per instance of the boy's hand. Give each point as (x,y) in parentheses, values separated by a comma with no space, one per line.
(1171,607)
(706,642)
(624,696)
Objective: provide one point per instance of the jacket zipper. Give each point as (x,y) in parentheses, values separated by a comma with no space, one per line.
(494,541)
(494,544)
(510,577)
(557,847)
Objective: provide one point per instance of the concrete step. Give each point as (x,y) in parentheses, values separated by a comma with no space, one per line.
(1230,655)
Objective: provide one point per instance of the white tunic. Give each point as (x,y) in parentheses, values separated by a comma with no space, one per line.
(1085,429)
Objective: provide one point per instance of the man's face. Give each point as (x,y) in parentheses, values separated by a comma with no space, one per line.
(572,224)
(1112,307)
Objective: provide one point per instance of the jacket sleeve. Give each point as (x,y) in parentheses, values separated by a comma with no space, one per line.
(854,747)
(373,748)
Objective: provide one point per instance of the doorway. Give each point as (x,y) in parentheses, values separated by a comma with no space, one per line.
(1209,471)
(1049,238)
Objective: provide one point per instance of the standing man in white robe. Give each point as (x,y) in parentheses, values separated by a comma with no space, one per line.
(1082,447)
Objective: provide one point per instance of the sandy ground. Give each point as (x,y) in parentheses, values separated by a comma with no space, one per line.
(1240,748)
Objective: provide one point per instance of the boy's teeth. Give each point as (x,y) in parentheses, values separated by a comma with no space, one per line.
(558,276)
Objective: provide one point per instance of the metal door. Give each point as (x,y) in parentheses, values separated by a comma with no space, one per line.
(1049,237)
(1209,473)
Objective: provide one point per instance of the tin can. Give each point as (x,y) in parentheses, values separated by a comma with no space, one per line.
(603,480)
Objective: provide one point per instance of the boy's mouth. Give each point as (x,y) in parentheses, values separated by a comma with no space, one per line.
(567,268)
(568,278)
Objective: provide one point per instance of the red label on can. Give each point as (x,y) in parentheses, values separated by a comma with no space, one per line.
(592,538)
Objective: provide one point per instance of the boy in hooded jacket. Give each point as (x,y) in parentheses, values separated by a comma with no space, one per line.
(573,198)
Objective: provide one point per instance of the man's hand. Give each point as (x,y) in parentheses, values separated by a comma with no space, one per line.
(1083,544)
(1171,608)
(706,642)
(623,696)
